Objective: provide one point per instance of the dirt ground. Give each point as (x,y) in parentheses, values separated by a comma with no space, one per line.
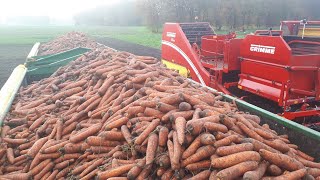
(10,57)
(13,55)
(130,47)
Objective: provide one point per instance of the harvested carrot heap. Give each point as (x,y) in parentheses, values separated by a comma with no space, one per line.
(115,115)
(66,42)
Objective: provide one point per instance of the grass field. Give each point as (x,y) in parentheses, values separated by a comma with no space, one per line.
(19,35)
(15,35)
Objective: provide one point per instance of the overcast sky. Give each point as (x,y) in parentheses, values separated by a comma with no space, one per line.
(58,9)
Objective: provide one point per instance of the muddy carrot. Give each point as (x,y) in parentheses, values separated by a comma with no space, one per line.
(36,147)
(257,173)
(227,150)
(281,160)
(115,171)
(237,170)
(204,153)
(192,148)
(151,148)
(147,131)
(86,133)
(10,155)
(233,159)
(180,123)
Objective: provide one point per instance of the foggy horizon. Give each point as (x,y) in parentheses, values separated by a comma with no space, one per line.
(58,11)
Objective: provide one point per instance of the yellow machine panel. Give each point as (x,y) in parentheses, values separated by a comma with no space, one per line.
(183,71)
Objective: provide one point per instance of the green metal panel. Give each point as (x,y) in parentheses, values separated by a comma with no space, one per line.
(307,139)
(285,122)
(40,67)
(45,60)
(266,114)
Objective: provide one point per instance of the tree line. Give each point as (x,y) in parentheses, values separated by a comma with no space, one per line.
(228,14)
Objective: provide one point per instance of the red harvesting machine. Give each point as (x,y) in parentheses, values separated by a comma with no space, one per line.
(278,65)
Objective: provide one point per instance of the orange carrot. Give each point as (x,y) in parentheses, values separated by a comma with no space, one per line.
(116,124)
(265,134)
(63,164)
(202,175)
(204,153)
(185,114)
(10,155)
(278,145)
(176,152)
(163,107)
(67,157)
(153,112)
(211,126)
(85,104)
(152,126)
(143,77)
(86,133)
(66,93)
(315,172)
(80,168)
(205,164)
(36,147)
(297,174)
(192,100)
(54,148)
(166,117)
(136,170)
(163,136)
(112,135)
(151,148)
(192,148)
(226,141)
(281,160)
(207,139)
(39,167)
(68,129)
(46,169)
(16,176)
(257,173)
(257,145)
(92,166)
(250,132)
(47,156)
(135,110)
(305,156)
(227,150)
(115,171)
(172,99)
(126,134)
(167,175)
(237,170)
(180,123)
(106,84)
(233,159)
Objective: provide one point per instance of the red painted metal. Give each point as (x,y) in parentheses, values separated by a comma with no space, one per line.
(266,63)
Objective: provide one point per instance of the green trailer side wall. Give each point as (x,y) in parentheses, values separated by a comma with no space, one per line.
(40,67)
(307,139)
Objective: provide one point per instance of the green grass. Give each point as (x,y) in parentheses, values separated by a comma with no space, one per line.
(19,35)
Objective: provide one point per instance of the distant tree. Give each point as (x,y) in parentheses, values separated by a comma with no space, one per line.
(231,14)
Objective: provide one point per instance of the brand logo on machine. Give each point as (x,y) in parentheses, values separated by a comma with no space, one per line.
(262,49)
(171,34)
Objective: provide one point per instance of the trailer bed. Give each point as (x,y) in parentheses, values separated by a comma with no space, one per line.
(307,139)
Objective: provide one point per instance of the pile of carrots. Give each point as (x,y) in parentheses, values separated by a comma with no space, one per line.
(113,115)
(66,42)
